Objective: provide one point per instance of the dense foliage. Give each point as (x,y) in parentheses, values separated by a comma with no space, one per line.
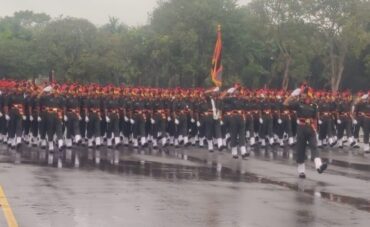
(273,43)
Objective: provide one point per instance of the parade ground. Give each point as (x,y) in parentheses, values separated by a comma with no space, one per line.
(181,187)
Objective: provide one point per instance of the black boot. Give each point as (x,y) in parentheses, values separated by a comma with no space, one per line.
(322,168)
(302,175)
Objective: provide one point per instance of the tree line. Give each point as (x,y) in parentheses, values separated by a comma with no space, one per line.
(271,43)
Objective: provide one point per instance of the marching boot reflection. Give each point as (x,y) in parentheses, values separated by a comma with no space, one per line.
(116,157)
(90,154)
(97,157)
(50,158)
(17,157)
(68,155)
(77,159)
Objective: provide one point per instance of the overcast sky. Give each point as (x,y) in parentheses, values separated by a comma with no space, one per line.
(131,12)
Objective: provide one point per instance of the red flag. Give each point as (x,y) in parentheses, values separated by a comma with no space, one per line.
(216,71)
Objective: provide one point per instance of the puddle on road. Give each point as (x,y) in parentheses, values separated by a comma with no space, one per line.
(110,161)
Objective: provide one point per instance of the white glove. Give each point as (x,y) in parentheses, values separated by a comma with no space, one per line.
(192,120)
(79,117)
(132,121)
(7,117)
(1,114)
(231,90)
(280,121)
(198,123)
(152,121)
(48,89)
(355,122)
(65,118)
(216,89)
(107,119)
(24,117)
(177,121)
(365,96)
(222,122)
(296,92)
(126,119)
(339,122)
(38,118)
(261,121)
(168,118)
(31,118)
(87,119)
(320,122)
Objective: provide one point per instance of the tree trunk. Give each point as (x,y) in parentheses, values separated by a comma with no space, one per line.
(285,83)
(337,68)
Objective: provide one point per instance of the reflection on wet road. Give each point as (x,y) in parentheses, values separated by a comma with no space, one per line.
(85,187)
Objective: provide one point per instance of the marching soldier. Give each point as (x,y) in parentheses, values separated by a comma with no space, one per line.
(344,119)
(93,116)
(157,119)
(125,125)
(111,108)
(326,108)
(180,111)
(250,110)
(284,121)
(233,110)
(52,104)
(72,117)
(34,111)
(362,110)
(14,109)
(3,121)
(301,101)
(265,121)
(209,117)
(138,119)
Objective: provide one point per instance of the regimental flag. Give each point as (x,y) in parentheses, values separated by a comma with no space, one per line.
(216,71)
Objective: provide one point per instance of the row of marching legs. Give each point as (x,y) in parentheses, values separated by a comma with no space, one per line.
(233,131)
(343,131)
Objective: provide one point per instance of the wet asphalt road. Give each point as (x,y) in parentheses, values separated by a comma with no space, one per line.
(179,187)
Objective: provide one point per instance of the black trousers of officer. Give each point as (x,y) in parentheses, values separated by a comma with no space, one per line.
(306,135)
(93,126)
(83,125)
(293,120)
(256,123)
(54,126)
(358,126)
(182,127)
(34,126)
(158,129)
(284,127)
(3,125)
(249,124)
(72,125)
(237,130)
(103,125)
(125,126)
(265,128)
(326,128)
(193,129)
(202,127)
(138,128)
(209,127)
(113,125)
(26,125)
(345,125)
(15,123)
(366,129)
(42,125)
